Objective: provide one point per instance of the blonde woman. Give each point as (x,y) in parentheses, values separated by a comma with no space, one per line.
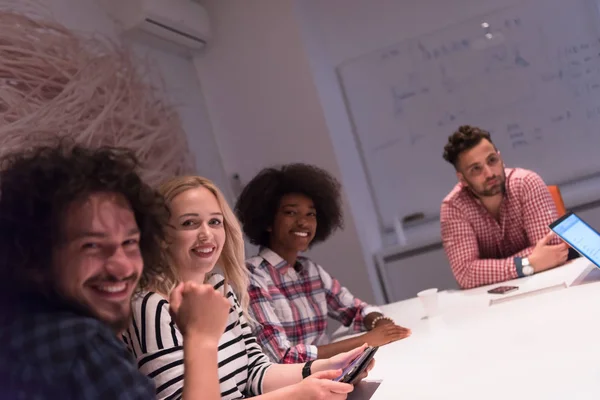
(203,233)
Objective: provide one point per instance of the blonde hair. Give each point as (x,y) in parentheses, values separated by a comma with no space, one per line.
(231,261)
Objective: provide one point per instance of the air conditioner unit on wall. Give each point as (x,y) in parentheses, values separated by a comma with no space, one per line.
(183,22)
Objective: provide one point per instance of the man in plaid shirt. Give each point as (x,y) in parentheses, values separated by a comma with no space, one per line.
(495,221)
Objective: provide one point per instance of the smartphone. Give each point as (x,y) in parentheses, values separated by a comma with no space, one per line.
(503,289)
(357,366)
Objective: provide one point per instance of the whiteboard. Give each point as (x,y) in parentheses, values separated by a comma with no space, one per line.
(531,77)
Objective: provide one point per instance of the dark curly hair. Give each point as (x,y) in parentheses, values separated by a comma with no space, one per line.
(36,188)
(465,138)
(257,205)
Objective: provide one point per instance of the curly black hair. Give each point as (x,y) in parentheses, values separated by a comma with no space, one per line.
(259,201)
(465,138)
(36,188)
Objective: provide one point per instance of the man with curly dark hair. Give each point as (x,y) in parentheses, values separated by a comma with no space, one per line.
(495,221)
(77,226)
(285,211)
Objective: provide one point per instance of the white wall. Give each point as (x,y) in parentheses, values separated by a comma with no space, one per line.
(265,109)
(176,74)
(335,31)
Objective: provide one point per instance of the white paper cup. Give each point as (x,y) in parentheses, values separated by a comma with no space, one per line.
(429,300)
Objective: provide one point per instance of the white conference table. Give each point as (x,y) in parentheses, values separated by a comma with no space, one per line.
(542,346)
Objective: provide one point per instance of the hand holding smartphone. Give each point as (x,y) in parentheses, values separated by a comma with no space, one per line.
(357,366)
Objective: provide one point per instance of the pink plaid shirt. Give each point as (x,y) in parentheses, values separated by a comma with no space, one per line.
(291,305)
(480,249)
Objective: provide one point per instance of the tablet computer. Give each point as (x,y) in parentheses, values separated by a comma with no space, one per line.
(579,235)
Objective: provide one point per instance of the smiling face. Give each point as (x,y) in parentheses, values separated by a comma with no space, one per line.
(98,263)
(482,170)
(196,234)
(294,225)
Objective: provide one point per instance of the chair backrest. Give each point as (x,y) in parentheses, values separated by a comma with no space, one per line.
(558,200)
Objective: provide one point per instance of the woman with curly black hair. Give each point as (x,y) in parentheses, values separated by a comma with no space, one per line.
(285,211)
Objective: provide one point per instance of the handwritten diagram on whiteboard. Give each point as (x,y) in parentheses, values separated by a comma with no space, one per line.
(530,74)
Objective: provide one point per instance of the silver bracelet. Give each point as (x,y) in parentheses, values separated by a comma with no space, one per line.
(379,318)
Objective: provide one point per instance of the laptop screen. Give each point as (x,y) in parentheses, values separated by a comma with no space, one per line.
(580,236)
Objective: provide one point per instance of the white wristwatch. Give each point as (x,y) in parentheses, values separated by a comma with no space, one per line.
(527,268)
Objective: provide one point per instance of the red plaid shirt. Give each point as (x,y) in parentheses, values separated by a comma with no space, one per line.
(290,306)
(480,249)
